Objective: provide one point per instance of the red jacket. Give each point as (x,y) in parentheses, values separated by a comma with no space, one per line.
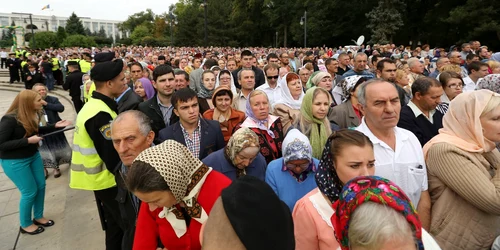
(150,227)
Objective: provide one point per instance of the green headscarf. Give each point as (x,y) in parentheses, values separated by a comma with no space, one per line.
(318,136)
(309,83)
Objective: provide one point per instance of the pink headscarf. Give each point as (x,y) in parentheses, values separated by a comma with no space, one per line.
(462,125)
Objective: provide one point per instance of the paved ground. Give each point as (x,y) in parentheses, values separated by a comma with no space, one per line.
(74,211)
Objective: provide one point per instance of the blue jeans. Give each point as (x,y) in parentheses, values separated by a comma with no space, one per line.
(50,81)
(28,176)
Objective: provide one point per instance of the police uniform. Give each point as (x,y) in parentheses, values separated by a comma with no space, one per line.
(94,158)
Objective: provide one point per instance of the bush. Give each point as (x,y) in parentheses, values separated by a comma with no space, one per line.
(45,39)
(155,42)
(126,41)
(102,41)
(79,41)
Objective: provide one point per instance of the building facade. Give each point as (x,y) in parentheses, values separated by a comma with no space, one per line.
(51,23)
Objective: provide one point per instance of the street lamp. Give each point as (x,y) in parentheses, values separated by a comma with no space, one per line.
(31,24)
(303,21)
(173,21)
(204,4)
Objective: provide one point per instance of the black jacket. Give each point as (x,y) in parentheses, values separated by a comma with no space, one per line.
(13,142)
(129,101)
(211,136)
(259,77)
(128,208)
(36,78)
(52,109)
(152,110)
(73,83)
(422,128)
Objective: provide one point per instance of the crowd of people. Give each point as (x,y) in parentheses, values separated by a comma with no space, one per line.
(378,147)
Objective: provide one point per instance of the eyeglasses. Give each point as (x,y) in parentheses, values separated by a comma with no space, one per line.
(273,77)
(455,86)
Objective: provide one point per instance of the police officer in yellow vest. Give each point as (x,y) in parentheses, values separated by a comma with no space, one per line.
(85,63)
(94,157)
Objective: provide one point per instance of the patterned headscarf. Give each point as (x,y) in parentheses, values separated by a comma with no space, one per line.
(296,146)
(372,189)
(348,85)
(326,176)
(184,175)
(261,124)
(204,92)
(490,82)
(318,136)
(241,139)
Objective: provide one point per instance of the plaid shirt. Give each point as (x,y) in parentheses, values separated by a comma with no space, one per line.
(193,142)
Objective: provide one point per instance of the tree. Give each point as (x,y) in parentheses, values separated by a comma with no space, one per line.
(74,25)
(61,34)
(102,32)
(385,20)
(88,32)
(78,41)
(139,32)
(45,39)
(6,40)
(141,18)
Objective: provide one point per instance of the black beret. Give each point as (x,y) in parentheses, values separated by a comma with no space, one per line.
(72,63)
(106,71)
(104,57)
(161,58)
(259,218)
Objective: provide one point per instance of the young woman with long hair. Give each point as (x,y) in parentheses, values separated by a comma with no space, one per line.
(21,160)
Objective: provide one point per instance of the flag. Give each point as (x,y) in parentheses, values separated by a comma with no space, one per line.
(46,7)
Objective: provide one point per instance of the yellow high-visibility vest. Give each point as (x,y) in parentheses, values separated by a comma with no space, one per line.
(88,171)
(55,64)
(85,66)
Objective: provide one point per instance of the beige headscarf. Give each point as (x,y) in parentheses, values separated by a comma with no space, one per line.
(184,174)
(462,125)
(241,139)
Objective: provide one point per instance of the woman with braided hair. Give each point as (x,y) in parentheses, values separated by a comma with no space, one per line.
(177,192)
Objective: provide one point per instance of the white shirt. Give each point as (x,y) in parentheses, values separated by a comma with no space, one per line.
(3,54)
(405,166)
(240,102)
(469,84)
(418,112)
(274,95)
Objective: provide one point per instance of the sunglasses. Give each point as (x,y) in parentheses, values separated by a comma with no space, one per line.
(272,77)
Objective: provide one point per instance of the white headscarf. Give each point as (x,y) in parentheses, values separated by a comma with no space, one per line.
(233,87)
(286,96)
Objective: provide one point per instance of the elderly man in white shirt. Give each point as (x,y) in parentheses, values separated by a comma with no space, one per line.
(272,87)
(398,154)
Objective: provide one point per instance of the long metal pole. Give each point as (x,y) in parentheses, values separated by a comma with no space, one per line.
(206,36)
(32,33)
(171,36)
(305,29)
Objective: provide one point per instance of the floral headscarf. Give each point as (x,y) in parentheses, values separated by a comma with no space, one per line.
(326,177)
(348,85)
(490,82)
(372,189)
(241,139)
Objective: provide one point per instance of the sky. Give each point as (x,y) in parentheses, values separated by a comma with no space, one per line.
(117,10)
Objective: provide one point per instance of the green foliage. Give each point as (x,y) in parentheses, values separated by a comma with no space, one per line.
(102,41)
(45,39)
(74,25)
(139,33)
(61,34)
(88,32)
(244,23)
(101,33)
(126,41)
(385,20)
(141,18)
(6,40)
(78,41)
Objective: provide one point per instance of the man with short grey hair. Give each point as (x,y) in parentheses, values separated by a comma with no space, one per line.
(398,152)
(131,134)
(246,79)
(439,63)
(360,61)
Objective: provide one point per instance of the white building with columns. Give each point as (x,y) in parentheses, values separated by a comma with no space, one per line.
(51,23)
